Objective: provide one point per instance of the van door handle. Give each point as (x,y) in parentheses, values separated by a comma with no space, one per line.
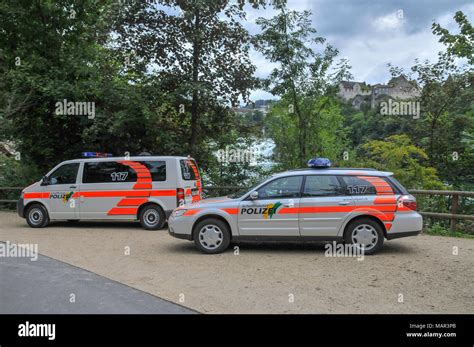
(343,202)
(74,187)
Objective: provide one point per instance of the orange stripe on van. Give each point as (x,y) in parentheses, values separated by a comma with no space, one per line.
(115,194)
(36,195)
(117,211)
(142,186)
(168,192)
(131,202)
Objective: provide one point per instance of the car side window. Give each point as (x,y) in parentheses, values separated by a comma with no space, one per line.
(322,185)
(358,186)
(284,187)
(65,174)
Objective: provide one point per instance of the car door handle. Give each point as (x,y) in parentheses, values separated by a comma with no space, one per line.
(344,203)
(73,187)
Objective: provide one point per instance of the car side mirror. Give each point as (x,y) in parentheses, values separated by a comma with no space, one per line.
(253,195)
(45,181)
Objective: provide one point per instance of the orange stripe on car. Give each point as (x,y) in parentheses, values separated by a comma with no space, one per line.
(230,210)
(191,212)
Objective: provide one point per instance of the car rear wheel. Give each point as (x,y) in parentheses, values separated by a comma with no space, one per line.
(37,216)
(152,217)
(211,236)
(365,234)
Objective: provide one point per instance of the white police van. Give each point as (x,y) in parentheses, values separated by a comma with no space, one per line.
(100,187)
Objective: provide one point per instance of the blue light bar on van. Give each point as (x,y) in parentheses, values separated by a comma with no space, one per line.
(96,155)
(319,163)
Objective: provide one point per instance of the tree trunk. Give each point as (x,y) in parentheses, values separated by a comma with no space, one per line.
(195,83)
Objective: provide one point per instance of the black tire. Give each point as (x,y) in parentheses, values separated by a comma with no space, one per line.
(219,229)
(37,216)
(369,228)
(152,217)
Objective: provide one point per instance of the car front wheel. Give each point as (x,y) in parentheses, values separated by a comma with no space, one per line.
(211,236)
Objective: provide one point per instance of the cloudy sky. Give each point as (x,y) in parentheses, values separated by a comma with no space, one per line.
(372,33)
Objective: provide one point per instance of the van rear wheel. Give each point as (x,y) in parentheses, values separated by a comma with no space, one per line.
(37,216)
(152,217)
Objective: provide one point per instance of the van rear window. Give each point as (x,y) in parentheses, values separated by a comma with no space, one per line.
(189,170)
(115,172)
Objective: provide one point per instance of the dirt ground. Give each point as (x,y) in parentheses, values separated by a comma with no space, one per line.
(420,274)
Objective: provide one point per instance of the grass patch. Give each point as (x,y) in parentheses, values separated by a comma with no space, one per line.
(440,230)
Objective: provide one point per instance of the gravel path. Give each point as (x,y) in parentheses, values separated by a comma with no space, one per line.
(422,274)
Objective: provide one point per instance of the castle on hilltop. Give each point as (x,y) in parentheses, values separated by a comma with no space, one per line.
(358,93)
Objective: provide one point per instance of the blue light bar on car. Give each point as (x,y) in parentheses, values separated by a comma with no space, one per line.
(319,163)
(95,155)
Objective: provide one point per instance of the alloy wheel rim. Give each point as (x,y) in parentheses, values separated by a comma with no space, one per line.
(210,237)
(365,237)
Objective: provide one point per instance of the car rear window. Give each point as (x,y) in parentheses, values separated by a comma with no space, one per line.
(322,185)
(358,186)
(397,186)
(189,170)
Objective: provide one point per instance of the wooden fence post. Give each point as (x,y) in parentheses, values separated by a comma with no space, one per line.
(454,209)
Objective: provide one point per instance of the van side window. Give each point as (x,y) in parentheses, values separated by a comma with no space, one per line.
(114,172)
(284,187)
(322,185)
(108,172)
(65,174)
(157,170)
(358,186)
(189,170)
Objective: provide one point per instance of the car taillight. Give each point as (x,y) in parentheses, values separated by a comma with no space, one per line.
(180,196)
(408,201)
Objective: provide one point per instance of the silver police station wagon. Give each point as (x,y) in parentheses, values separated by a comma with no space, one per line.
(357,206)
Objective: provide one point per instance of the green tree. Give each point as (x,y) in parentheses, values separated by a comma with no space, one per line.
(200,49)
(398,154)
(302,79)
(459,45)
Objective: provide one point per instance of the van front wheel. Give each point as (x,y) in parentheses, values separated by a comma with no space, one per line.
(152,217)
(37,216)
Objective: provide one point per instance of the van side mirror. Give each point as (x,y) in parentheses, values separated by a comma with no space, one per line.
(45,181)
(253,195)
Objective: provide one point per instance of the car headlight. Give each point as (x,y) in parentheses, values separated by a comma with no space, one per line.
(179,213)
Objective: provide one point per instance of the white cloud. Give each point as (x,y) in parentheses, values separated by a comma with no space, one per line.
(390,21)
